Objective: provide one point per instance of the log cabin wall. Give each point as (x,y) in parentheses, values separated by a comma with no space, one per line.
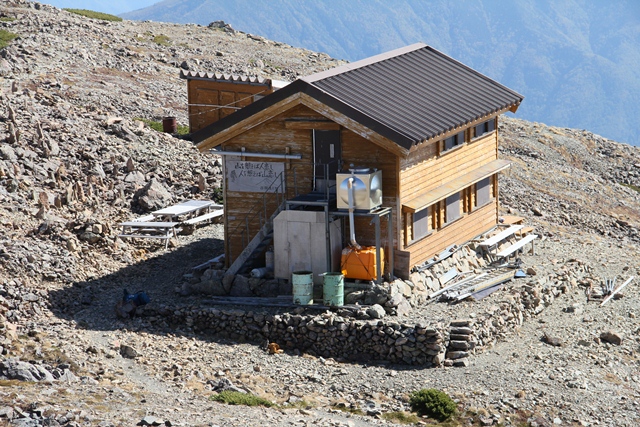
(207,97)
(428,168)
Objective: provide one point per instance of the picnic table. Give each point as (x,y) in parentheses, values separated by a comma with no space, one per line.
(196,207)
(149,229)
(165,223)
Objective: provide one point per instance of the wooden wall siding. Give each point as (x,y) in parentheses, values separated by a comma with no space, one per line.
(215,93)
(363,153)
(270,137)
(457,232)
(422,176)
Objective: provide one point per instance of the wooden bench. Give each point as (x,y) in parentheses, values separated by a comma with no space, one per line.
(144,218)
(202,218)
(494,240)
(506,252)
(525,231)
(149,230)
(512,220)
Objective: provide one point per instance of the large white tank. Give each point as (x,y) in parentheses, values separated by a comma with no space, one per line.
(367,187)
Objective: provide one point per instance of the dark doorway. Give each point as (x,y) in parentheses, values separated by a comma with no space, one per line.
(327,159)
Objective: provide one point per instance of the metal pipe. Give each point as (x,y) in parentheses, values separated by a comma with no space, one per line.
(264,155)
(313,143)
(617,290)
(352,229)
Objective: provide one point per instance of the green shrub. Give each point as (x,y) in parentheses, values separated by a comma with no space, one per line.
(400,418)
(5,38)
(94,15)
(432,403)
(162,40)
(237,398)
(157,126)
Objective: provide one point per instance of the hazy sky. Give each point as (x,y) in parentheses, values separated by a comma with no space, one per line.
(115,7)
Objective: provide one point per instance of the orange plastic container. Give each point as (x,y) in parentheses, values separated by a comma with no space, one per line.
(361,264)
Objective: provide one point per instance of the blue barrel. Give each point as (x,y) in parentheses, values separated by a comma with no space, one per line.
(302,287)
(333,289)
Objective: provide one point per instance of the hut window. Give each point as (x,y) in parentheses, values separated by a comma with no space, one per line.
(421,223)
(453,207)
(483,191)
(484,127)
(453,141)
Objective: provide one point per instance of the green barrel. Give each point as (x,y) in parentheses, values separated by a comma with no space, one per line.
(333,289)
(302,287)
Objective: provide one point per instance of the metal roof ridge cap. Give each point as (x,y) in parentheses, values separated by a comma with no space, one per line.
(363,62)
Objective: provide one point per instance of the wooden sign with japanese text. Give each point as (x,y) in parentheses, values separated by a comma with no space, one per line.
(254,177)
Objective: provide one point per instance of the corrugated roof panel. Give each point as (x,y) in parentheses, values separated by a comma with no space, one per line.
(232,78)
(416,91)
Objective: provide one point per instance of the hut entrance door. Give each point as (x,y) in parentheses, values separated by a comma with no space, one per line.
(327,159)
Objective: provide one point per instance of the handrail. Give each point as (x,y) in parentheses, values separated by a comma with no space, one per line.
(325,175)
(257,210)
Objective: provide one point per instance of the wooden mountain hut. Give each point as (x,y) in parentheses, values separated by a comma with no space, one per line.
(398,152)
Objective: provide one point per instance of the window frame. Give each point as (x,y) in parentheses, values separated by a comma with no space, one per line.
(485,127)
(458,140)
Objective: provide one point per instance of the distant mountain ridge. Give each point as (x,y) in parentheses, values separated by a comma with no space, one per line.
(577,62)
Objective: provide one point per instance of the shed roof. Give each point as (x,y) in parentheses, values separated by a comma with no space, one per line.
(407,95)
(231,78)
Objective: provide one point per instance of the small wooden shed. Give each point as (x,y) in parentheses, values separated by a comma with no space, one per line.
(212,96)
(425,120)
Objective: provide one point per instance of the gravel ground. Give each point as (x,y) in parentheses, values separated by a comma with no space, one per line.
(70,172)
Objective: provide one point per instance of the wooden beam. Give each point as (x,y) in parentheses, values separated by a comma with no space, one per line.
(311,124)
(250,123)
(353,126)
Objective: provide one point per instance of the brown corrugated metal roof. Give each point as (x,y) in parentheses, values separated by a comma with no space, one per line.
(407,95)
(417,91)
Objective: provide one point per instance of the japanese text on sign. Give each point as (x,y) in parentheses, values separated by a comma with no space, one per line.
(256,177)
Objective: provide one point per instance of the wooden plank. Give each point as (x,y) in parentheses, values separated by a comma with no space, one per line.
(517,245)
(149,224)
(317,125)
(512,219)
(449,275)
(492,241)
(205,217)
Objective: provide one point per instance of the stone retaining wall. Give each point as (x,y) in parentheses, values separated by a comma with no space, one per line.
(373,331)
(331,335)
(326,334)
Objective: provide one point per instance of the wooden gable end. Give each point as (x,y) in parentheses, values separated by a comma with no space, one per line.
(287,104)
(211,100)
(291,132)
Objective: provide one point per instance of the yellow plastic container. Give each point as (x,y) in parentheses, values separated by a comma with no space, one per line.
(361,264)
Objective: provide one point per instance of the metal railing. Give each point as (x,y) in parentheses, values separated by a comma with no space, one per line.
(276,194)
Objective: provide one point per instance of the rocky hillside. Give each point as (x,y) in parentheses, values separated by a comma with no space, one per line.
(76,158)
(576,63)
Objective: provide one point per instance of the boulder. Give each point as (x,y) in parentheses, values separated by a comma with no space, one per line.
(241,287)
(14,369)
(611,337)
(153,196)
(376,311)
